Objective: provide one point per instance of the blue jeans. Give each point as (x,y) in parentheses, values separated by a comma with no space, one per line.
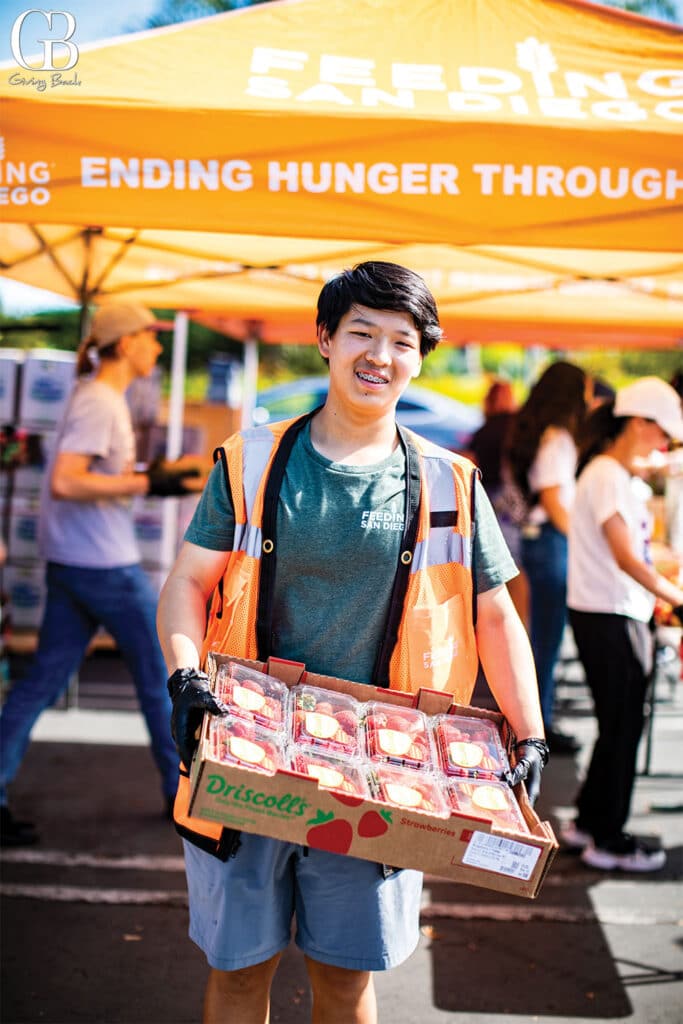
(78,601)
(544,559)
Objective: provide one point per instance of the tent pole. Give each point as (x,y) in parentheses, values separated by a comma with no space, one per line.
(250,379)
(176,403)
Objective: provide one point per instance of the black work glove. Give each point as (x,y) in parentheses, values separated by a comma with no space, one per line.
(167,480)
(532,757)
(191,696)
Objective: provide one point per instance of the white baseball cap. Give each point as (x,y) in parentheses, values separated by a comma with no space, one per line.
(112,322)
(653,399)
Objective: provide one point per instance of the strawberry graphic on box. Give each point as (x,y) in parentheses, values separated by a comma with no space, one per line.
(331,772)
(469,747)
(253,695)
(234,740)
(398,736)
(329,833)
(374,824)
(325,720)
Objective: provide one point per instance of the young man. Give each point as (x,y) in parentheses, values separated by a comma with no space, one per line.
(382,542)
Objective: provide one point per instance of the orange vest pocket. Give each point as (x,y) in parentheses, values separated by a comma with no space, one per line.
(438,652)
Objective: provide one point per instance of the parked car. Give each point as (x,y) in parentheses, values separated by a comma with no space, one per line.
(440,419)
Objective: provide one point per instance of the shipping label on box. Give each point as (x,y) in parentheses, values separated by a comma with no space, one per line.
(291,806)
(24,516)
(47,379)
(154,522)
(24,586)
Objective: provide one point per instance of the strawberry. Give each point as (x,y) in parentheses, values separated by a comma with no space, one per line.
(251,684)
(329,833)
(347,721)
(350,801)
(374,824)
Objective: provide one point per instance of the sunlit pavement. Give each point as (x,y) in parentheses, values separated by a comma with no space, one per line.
(94,918)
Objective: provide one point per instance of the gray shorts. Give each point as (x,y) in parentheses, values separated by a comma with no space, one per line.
(347,913)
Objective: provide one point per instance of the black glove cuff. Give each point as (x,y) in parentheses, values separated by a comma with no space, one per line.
(540,745)
(182,676)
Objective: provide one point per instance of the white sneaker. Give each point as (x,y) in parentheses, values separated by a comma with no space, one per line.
(633,857)
(574,838)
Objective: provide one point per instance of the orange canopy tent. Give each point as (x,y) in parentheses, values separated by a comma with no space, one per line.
(525,157)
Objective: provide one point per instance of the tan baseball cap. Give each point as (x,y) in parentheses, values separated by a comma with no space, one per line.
(111,323)
(653,399)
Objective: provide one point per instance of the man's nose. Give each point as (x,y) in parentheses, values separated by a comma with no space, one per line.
(378,351)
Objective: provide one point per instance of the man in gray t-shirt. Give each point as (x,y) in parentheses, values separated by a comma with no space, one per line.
(338,515)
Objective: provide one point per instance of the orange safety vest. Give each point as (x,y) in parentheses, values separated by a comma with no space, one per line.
(430,640)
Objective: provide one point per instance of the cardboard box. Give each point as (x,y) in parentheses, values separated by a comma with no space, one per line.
(25,589)
(291,806)
(47,378)
(24,516)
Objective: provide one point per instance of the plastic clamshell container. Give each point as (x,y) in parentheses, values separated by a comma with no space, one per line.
(325,720)
(486,798)
(469,746)
(336,773)
(236,740)
(253,695)
(398,736)
(406,788)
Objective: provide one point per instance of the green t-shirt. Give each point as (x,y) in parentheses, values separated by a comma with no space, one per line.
(339,531)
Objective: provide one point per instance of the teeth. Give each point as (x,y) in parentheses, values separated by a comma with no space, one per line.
(371,378)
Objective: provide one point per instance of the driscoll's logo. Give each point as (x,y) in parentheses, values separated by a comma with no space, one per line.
(287,804)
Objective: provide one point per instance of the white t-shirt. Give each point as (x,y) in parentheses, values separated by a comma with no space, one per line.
(97,534)
(554,466)
(595,583)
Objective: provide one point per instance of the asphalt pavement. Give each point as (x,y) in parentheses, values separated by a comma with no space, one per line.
(94,918)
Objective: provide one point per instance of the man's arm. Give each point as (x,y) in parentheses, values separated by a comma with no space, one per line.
(181,614)
(508,662)
(72,479)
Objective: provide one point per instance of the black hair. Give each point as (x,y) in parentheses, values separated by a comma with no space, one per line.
(557,399)
(381,285)
(600,428)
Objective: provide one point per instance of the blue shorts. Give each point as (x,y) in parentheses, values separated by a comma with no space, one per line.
(347,913)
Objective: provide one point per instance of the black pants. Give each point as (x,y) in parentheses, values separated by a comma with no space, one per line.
(618,684)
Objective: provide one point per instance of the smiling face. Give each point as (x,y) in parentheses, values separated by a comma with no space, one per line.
(373,355)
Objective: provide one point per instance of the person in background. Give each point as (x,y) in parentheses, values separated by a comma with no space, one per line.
(346,599)
(543,456)
(612,586)
(487,449)
(86,535)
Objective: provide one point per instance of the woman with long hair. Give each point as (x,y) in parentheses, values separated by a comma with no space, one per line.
(542,458)
(612,587)
(487,449)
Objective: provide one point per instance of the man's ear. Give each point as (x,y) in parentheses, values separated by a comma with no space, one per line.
(323,341)
(416,371)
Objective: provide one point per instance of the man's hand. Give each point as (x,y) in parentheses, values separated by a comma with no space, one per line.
(532,757)
(191,696)
(167,480)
